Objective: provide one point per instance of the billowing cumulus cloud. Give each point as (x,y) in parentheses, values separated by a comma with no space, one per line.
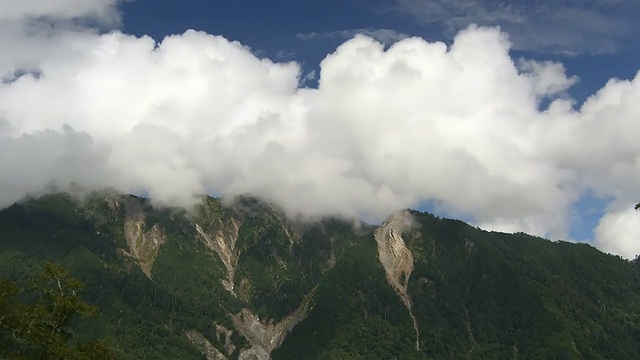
(387,128)
(618,232)
(104,10)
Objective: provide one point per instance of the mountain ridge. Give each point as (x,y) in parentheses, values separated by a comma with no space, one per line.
(241,280)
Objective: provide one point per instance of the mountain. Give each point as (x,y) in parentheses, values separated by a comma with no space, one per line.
(241,280)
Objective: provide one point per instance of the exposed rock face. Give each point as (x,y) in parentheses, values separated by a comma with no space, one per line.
(331,261)
(396,258)
(254,354)
(223,242)
(143,245)
(222,331)
(265,337)
(205,346)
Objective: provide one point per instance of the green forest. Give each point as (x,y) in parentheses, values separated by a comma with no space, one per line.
(113,276)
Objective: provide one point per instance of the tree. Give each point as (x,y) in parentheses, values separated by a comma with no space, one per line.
(35,322)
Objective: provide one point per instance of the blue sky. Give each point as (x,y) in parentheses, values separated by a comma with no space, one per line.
(351,108)
(281,30)
(595,53)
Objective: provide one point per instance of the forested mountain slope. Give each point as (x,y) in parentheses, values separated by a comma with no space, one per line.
(244,281)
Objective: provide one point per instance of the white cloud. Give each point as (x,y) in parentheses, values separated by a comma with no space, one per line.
(385,129)
(59,9)
(619,232)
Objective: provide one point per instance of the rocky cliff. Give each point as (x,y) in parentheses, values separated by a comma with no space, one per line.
(396,258)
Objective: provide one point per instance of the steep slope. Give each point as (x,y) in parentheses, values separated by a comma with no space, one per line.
(356,315)
(242,281)
(492,295)
(219,229)
(142,245)
(474,295)
(397,259)
(167,273)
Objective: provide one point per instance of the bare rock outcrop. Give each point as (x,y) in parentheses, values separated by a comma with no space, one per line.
(396,258)
(222,333)
(266,336)
(202,343)
(222,241)
(143,246)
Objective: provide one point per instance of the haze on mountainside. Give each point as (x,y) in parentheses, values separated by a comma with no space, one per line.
(464,127)
(242,281)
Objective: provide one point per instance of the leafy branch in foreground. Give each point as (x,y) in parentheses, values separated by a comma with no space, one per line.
(35,322)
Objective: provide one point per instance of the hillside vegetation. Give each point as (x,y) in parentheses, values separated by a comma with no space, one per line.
(244,281)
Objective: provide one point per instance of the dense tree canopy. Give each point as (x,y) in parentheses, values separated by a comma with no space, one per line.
(475,294)
(35,321)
